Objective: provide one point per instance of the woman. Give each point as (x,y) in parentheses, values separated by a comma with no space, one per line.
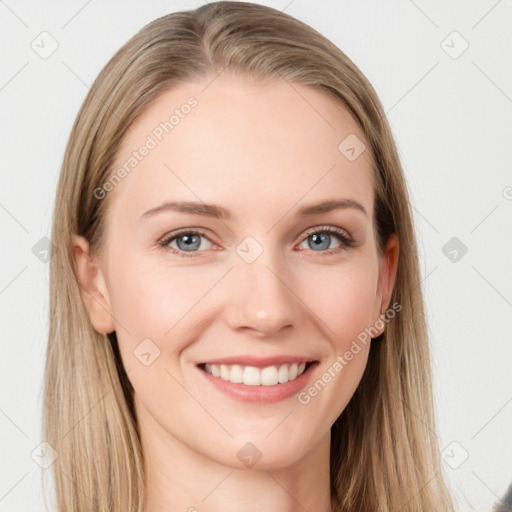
(236,312)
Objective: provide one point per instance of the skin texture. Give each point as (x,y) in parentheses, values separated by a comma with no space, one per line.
(262,150)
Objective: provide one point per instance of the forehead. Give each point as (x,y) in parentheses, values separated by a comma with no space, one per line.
(250,145)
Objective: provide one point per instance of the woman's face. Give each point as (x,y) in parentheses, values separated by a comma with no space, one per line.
(270,276)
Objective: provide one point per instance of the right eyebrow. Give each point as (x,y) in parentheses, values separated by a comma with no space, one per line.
(194,208)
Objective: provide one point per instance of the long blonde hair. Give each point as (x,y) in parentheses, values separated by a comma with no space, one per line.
(384,451)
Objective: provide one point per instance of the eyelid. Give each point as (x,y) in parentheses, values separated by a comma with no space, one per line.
(329,229)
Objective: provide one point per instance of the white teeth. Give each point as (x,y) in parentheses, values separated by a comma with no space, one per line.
(237,374)
(224,372)
(212,369)
(283,374)
(252,376)
(269,376)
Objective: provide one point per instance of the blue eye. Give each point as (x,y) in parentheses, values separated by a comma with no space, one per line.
(190,241)
(322,237)
(186,241)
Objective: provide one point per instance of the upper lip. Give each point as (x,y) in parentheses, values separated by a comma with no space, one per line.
(259,362)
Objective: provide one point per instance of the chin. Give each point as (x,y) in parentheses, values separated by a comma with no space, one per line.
(264,454)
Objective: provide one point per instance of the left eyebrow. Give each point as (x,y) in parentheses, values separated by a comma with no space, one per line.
(218,212)
(328,206)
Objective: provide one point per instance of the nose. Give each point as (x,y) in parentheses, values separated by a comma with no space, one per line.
(262,299)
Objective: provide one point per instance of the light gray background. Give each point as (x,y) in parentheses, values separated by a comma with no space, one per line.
(452,121)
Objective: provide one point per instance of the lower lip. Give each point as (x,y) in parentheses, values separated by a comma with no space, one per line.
(261,394)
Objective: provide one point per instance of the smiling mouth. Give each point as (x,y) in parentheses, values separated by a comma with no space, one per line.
(252,376)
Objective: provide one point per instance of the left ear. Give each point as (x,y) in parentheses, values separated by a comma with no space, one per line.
(387,272)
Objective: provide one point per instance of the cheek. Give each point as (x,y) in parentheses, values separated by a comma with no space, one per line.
(343,298)
(161,304)
(149,300)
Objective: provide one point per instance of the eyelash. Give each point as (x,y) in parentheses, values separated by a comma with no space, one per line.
(340,234)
